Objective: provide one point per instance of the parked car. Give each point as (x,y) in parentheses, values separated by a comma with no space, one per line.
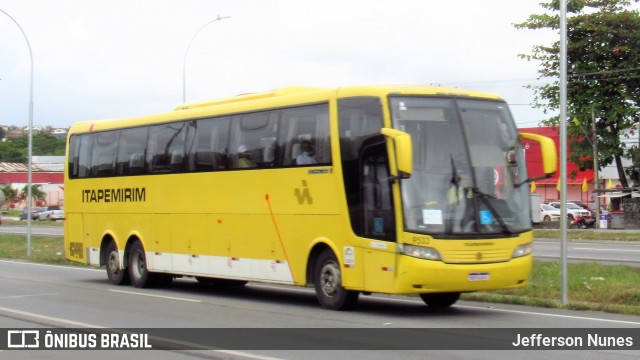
(573,210)
(549,213)
(51,213)
(603,210)
(35,211)
(580,203)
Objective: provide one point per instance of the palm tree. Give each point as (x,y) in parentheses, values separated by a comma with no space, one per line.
(10,194)
(36,193)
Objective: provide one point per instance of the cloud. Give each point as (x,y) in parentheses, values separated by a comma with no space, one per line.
(96,59)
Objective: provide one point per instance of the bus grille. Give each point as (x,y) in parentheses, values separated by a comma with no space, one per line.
(476,256)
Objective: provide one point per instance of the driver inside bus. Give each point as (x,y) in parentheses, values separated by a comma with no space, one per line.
(460,197)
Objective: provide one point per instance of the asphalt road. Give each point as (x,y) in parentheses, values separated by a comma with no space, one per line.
(37,295)
(608,252)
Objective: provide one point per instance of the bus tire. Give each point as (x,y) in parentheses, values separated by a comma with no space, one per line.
(328,284)
(440,300)
(117,275)
(138,273)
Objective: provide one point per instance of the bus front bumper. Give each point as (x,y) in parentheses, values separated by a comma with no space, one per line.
(436,276)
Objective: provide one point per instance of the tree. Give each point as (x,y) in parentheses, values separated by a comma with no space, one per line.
(10,194)
(36,193)
(603,53)
(15,150)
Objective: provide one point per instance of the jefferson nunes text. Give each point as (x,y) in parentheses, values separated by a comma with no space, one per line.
(114,195)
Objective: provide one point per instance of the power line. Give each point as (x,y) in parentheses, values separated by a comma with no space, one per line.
(606,72)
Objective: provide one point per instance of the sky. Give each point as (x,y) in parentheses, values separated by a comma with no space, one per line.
(97,59)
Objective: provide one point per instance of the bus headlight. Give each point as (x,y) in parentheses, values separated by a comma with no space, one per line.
(522,250)
(420,252)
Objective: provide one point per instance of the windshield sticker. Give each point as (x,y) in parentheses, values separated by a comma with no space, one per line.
(485,217)
(432,217)
(402,106)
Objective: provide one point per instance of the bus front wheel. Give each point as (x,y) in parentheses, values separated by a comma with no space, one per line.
(328,284)
(117,275)
(440,300)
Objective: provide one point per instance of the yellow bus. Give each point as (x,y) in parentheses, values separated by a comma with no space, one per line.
(397,190)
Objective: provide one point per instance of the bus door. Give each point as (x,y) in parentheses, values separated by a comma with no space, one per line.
(378,220)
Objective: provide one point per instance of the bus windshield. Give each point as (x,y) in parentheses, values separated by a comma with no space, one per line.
(468,166)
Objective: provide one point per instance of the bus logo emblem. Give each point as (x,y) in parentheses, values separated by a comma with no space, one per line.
(304,194)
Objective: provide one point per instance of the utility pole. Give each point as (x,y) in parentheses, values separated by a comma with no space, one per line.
(596,167)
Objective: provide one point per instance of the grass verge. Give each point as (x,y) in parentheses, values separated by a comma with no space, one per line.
(592,286)
(45,249)
(590,234)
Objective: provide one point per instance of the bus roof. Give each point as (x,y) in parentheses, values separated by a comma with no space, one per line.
(344,91)
(274,98)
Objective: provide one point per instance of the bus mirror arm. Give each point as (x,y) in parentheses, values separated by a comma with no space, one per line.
(404,152)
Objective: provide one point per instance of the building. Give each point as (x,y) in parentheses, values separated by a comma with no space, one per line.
(49,175)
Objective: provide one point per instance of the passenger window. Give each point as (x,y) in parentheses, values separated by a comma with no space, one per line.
(104,154)
(253,140)
(131,151)
(304,136)
(166,148)
(210,147)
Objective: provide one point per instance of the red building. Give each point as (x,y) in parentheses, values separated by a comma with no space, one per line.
(14,175)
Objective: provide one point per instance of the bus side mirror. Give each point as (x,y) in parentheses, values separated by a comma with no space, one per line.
(404,151)
(548,152)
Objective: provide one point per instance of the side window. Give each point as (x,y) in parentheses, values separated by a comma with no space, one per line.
(130,160)
(76,169)
(253,140)
(209,150)
(103,156)
(166,148)
(304,136)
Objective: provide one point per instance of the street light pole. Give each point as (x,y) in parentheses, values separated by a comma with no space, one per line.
(563,153)
(596,166)
(184,62)
(30,141)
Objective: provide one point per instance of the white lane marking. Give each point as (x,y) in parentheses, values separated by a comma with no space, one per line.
(553,315)
(535,313)
(80,267)
(155,296)
(599,249)
(25,296)
(50,318)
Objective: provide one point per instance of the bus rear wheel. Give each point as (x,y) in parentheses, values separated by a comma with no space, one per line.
(440,300)
(138,272)
(117,275)
(328,284)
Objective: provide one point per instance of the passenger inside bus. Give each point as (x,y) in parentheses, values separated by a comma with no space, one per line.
(306,155)
(244,158)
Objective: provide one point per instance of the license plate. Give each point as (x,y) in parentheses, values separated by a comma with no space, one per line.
(478,277)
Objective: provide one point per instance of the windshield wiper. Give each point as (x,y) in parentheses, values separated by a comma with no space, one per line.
(485,198)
